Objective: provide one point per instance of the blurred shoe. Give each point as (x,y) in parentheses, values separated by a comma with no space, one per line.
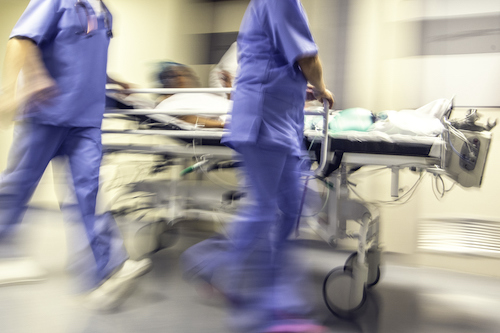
(113,292)
(20,271)
(210,294)
(297,328)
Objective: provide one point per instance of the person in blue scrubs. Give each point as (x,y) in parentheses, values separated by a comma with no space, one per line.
(61,47)
(256,269)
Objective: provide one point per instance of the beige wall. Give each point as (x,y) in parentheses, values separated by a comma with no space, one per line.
(144,32)
(156,30)
(383,73)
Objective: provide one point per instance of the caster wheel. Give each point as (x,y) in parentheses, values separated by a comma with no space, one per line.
(333,242)
(169,235)
(337,289)
(350,261)
(373,276)
(155,236)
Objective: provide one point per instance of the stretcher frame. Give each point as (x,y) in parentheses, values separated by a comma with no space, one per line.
(344,288)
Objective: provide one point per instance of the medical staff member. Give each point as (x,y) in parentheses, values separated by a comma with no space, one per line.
(61,46)
(255,269)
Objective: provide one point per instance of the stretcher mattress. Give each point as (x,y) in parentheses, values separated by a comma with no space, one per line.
(379,143)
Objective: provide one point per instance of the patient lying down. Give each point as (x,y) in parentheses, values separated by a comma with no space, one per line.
(176,75)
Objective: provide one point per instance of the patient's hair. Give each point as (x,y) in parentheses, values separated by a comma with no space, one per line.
(178,76)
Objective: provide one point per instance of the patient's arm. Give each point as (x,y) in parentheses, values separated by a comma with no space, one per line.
(124,85)
(203,121)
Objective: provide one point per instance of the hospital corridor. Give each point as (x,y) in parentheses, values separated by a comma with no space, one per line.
(409,298)
(249,166)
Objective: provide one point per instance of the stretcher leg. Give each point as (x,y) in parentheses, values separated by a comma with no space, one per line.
(345,288)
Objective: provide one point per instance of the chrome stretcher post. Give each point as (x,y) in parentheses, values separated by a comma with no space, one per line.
(325,142)
(347,284)
(170,91)
(344,288)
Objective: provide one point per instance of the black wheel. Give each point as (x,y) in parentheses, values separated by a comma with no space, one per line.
(350,261)
(337,288)
(373,277)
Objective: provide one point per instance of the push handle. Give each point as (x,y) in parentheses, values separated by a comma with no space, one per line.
(325,143)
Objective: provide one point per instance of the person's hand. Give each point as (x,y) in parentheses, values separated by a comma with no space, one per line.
(39,98)
(123,85)
(38,91)
(310,93)
(8,108)
(126,85)
(325,94)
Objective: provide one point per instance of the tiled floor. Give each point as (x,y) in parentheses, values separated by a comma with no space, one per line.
(406,300)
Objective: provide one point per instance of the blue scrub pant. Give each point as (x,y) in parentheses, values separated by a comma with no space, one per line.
(256,267)
(34,146)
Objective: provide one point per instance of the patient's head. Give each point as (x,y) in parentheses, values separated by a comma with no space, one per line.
(178,76)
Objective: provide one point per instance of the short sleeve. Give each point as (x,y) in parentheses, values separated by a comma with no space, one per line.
(290,30)
(37,21)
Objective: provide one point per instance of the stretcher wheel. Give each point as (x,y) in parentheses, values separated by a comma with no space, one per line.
(373,273)
(338,289)
(333,242)
(169,235)
(155,236)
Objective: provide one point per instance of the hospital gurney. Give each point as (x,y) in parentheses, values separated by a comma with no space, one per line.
(459,155)
(189,149)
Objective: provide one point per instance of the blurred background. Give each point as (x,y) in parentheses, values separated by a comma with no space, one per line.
(378,55)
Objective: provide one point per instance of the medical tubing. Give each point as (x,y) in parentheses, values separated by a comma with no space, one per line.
(219,182)
(435,187)
(408,193)
(193,167)
(302,200)
(461,136)
(399,200)
(325,202)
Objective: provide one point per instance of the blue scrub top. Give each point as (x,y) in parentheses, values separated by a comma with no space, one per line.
(75,60)
(270,88)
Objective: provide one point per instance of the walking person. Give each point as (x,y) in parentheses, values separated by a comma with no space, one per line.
(255,268)
(61,48)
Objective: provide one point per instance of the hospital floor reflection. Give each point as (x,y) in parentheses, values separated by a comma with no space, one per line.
(406,300)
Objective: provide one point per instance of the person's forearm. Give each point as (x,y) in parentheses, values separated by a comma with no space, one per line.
(110,80)
(23,54)
(15,59)
(203,121)
(313,72)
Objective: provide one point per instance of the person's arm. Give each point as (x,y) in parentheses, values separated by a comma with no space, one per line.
(38,86)
(203,121)
(313,72)
(15,57)
(124,85)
